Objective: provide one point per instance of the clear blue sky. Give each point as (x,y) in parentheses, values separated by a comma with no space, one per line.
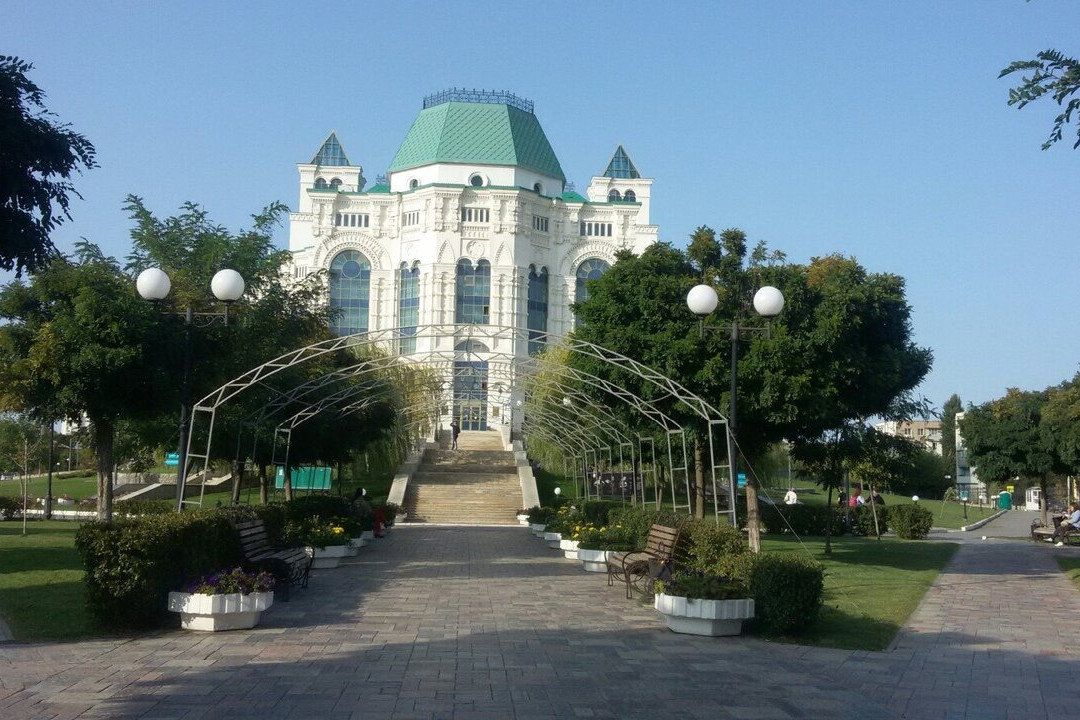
(869,128)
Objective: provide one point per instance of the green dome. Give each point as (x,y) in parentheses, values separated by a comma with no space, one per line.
(477,133)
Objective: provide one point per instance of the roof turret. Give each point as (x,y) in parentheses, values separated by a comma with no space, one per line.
(331,153)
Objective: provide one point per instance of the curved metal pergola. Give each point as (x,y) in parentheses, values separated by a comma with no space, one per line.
(507,366)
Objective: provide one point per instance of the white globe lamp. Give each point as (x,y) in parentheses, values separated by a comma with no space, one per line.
(701,300)
(227,285)
(768,301)
(153,284)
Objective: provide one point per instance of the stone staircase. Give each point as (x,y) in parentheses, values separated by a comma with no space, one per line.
(477,484)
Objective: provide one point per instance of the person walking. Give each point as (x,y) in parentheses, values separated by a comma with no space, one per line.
(455,430)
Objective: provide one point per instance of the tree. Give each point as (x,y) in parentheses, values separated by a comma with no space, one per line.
(1053,74)
(948,432)
(840,351)
(37,158)
(1007,438)
(79,342)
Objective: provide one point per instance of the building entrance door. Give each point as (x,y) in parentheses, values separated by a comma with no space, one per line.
(470,394)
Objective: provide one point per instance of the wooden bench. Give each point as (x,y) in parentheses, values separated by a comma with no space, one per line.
(639,568)
(290,565)
(1046,532)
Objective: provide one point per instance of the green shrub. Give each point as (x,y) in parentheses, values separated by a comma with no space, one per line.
(316,532)
(637,520)
(9,507)
(711,549)
(702,586)
(911,522)
(597,511)
(787,589)
(318,505)
(862,520)
(802,520)
(609,537)
(541,515)
(566,518)
(132,564)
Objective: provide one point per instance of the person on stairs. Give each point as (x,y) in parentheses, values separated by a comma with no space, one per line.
(455,430)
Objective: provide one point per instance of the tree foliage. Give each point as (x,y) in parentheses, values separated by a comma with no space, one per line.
(948,431)
(38,156)
(1053,74)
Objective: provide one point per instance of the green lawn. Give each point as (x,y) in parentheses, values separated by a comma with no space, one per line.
(77,488)
(41,588)
(1070,566)
(946,514)
(871,586)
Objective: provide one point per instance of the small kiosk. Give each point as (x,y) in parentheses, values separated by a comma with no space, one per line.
(1032,496)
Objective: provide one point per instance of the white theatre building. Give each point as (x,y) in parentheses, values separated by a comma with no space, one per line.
(473,224)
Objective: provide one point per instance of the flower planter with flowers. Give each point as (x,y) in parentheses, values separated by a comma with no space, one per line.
(569,548)
(539,517)
(230,600)
(595,545)
(330,541)
(700,604)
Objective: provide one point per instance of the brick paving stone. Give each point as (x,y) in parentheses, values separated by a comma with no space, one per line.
(455,622)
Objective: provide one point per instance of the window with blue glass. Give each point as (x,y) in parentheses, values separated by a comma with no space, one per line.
(408,306)
(591,269)
(473,305)
(350,290)
(537,309)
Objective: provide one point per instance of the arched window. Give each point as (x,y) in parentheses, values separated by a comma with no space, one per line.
(538,188)
(408,306)
(477,180)
(537,309)
(473,293)
(320,183)
(335,184)
(591,269)
(413,184)
(350,288)
(630,196)
(613,195)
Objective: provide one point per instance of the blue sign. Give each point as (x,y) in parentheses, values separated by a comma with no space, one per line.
(172,459)
(742,479)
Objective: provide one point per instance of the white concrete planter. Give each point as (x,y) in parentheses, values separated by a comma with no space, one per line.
(64,501)
(523,519)
(537,530)
(569,548)
(211,613)
(368,534)
(354,546)
(704,617)
(552,540)
(329,556)
(594,560)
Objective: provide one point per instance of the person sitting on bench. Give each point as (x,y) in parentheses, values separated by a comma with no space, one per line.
(1067,525)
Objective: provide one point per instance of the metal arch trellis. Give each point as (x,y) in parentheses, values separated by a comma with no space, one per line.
(205,410)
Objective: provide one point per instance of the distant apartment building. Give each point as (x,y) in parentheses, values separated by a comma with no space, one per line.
(966,477)
(923,432)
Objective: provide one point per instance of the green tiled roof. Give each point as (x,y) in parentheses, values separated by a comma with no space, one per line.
(378,188)
(477,134)
(571,196)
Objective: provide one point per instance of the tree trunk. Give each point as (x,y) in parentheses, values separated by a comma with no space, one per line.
(753,516)
(873,509)
(699,480)
(288,483)
(1042,499)
(104,434)
(828,522)
(237,480)
(263,499)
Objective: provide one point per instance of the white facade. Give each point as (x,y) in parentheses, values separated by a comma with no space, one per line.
(431,216)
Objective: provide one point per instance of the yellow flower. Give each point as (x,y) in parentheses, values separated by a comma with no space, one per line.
(339,531)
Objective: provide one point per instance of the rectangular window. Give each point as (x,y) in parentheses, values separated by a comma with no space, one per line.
(474,215)
(412,218)
(596,229)
(352,220)
(540,223)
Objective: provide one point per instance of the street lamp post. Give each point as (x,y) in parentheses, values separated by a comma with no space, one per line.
(154,285)
(768,302)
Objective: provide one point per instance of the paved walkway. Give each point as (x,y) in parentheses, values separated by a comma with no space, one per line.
(449,622)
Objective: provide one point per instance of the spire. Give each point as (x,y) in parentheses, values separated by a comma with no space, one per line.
(331,153)
(621,166)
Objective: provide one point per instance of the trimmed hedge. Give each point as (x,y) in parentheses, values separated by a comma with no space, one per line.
(787,589)
(911,522)
(597,511)
(132,564)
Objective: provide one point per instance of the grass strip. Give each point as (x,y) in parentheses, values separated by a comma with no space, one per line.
(42,595)
(871,587)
